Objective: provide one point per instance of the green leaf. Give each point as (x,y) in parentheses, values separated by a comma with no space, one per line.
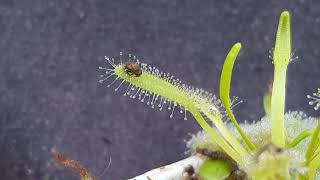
(282,50)
(303,135)
(312,154)
(314,144)
(214,170)
(281,55)
(313,166)
(225,82)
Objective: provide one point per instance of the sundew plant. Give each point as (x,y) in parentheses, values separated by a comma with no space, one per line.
(282,145)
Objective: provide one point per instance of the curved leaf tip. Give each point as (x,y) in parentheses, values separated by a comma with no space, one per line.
(225,83)
(282,50)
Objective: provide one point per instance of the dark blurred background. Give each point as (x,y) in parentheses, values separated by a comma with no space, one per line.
(50,98)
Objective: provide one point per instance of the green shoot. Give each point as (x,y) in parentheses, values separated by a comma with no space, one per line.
(313,166)
(315,99)
(281,55)
(217,120)
(314,144)
(225,82)
(303,135)
(216,137)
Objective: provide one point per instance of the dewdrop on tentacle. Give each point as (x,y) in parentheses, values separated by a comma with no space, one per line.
(235,101)
(294,56)
(315,99)
(155,88)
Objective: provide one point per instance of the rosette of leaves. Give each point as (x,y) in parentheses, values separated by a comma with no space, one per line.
(280,146)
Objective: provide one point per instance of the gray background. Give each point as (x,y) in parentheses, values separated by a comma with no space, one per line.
(50,98)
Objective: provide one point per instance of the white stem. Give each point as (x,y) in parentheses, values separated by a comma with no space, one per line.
(173,171)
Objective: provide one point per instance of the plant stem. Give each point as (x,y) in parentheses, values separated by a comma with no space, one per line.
(300,137)
(278,107)
(223,144)
(233,141)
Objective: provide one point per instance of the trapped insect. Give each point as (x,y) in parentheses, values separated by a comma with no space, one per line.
(133,68)
(129,68)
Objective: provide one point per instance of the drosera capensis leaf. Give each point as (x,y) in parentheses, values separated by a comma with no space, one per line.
(282,51)
(160,85)
(300,137)
(313,145)
(225,83)
(313,154)
(224,145)
(313,166)
(209,111)
(217,120)
(281,59)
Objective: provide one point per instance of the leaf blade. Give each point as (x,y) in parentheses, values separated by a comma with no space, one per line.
(225,82)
